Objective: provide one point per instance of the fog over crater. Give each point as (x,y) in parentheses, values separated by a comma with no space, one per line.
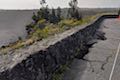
(34,4)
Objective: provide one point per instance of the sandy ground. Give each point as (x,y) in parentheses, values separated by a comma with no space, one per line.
(100,58)
(12,25)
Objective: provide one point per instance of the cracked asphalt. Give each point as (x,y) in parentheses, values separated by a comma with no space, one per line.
(97,64)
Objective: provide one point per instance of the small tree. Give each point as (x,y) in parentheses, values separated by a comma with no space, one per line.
(59,13)
(53,17)
(46,13)
(53,12)
(43,3)
(77,15)
(73,11)
(39,14)
(73,4)
(35,17)
(43,12)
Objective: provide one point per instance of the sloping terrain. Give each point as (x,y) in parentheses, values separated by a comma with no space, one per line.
(13,22)
(42,59)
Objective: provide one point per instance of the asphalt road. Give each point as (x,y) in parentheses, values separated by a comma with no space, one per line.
(101,57)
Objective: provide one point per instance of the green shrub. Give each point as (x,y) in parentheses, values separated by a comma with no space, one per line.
(41,21)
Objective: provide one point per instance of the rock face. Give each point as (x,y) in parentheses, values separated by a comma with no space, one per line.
(42,64)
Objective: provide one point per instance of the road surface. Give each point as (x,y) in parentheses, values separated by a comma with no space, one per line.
(99,61)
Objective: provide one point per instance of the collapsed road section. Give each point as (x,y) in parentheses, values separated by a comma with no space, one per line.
(103,60)
(41,60)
